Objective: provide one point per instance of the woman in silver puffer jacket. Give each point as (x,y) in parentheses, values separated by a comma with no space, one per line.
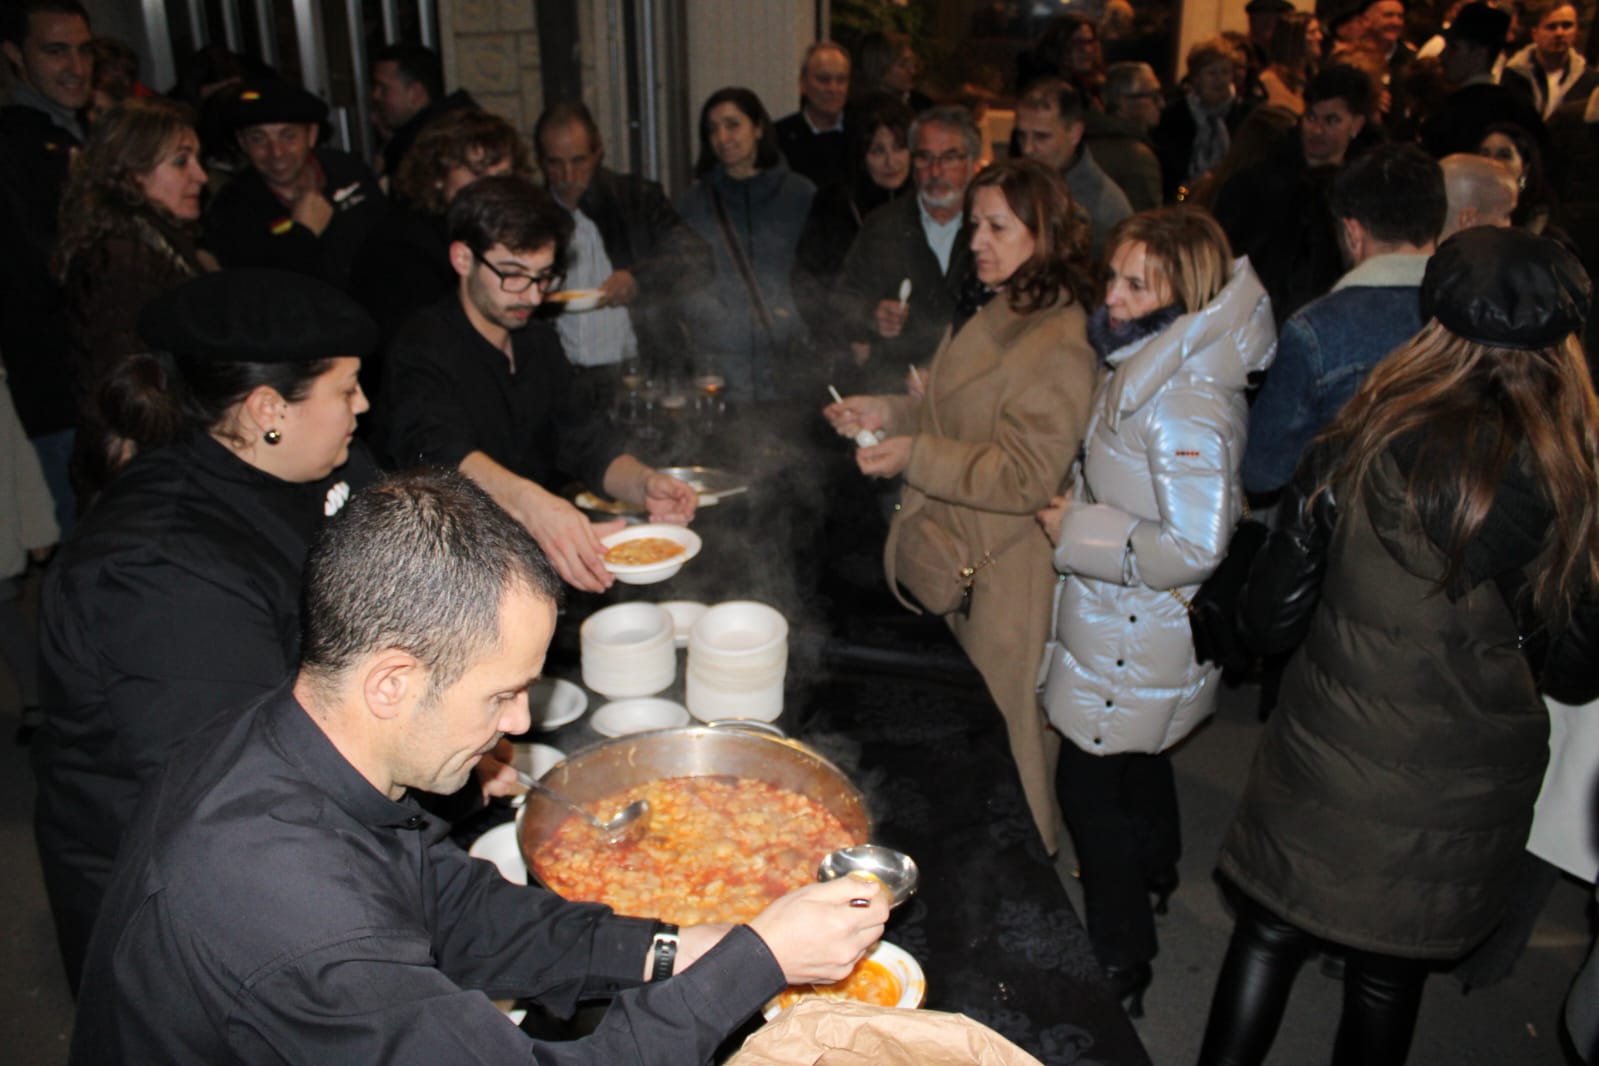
(1149,520)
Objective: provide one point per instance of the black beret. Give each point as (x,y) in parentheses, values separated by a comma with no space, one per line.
(255,315)
(1480,25)
(1505,287)
(1268,7)
(273,101)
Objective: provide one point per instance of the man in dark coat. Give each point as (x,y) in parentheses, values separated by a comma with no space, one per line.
(476,383)
(47,44)
(407,94)
(1473,43)
(916,239)
(1050,121)
(1276,211)
(815,139)
(629,243)
(283,897)
(1119,137)
(298,207)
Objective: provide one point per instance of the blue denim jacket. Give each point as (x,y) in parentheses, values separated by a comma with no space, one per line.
(1323,354)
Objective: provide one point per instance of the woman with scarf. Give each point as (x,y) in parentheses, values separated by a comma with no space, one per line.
(1148,520)
(992,440)
(1196,128)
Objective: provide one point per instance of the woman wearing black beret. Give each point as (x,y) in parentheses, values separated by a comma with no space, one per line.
(177,596)
(1436,564)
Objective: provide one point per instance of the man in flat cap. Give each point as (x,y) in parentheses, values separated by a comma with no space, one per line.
(299,207)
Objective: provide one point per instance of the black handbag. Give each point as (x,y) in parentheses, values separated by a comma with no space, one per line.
(1212,611)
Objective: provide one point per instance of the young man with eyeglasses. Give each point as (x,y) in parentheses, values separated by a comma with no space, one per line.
(915,238)
(474,382)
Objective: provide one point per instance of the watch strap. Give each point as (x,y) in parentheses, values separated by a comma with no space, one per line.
(663,949)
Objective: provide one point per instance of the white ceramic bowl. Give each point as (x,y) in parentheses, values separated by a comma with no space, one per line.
(499,846)
(650,573)
(576,299)
(536,759)
(709,702)
(626,627)
(899,962)
(684,614)
(621,717)
(739,629)
(627,650)
(553,702)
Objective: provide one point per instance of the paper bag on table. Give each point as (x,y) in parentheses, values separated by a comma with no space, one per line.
(818,1032)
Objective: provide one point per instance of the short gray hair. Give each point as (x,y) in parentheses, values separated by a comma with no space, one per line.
(953,117)
(1123,80)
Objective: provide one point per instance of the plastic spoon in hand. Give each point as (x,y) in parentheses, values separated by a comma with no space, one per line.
(622,826)
(904,293)
(864,438)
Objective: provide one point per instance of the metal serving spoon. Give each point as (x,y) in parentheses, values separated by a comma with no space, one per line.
(625,825)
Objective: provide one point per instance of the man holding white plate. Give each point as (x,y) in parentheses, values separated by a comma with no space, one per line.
(474,382)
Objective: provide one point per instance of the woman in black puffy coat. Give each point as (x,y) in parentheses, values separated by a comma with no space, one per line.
(1436,565)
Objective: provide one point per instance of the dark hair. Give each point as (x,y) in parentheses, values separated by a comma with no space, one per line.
(1396,191)
(875,56)
(210,387)
(508,211)
(476,140)
(565,113)
(1056,93)
(420,562)
(16,16)
(1058,272)
(766,153)
(417,64)
(1290,50)
(103,189)
(135,408)
(116,68)
(880,111)
(1537,195)
(1340,81)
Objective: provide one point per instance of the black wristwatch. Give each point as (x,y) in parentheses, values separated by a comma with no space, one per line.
(663,948)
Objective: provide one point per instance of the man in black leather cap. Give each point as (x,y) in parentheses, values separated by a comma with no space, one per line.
(299,207)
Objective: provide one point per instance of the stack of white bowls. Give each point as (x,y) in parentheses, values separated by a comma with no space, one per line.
(627,650)
(737,657)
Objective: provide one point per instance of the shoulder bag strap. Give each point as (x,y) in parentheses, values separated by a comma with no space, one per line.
(743,264)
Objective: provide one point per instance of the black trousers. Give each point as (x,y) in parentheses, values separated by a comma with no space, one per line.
(1121,811)
(1382,995)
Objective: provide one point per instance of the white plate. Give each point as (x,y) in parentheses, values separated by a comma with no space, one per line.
(684,614)
(622,717)
(554,702)
(901,963)
(650,573)
(536,759)
(498,846)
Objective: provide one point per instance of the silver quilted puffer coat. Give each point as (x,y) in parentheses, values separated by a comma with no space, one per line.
(1152,513)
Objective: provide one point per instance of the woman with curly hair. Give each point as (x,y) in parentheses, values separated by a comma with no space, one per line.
(991,440)
(129,217)
(405,264)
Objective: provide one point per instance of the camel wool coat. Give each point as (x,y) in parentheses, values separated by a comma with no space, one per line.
(994,438)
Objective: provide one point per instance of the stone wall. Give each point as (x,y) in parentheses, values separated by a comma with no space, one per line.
(491,49)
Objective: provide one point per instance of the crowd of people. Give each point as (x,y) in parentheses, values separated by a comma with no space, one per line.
(1328,275)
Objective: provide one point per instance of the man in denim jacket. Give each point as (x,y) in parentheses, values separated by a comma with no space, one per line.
(1390,206)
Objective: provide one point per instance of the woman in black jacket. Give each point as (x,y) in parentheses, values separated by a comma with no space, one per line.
(1439,562)
(178,594)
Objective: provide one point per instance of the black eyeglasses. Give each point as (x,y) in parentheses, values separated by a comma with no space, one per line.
(513,282)
(928,160)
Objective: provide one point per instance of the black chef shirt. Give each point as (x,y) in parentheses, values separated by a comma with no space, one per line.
(272,906)
(448,392)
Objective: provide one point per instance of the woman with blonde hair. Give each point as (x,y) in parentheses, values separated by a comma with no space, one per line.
(992,440)
(129,222)
(1149,518)
(1435,564)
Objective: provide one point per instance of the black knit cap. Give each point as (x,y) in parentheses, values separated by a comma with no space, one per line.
(273,100)
(1506,287)
(1268,7)
(255,315)
(1481,25)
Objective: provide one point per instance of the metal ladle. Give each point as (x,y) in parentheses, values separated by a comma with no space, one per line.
(625,825)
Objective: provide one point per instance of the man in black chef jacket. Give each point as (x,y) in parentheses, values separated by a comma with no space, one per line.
(282,899)
(475,383)
(298,207)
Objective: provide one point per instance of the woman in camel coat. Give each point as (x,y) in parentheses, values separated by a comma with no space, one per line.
(991,441)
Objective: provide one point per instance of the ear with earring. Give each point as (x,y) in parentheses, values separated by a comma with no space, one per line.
(273,436)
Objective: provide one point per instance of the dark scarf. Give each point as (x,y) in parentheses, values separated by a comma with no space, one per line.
(969,299)
(1107,339)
